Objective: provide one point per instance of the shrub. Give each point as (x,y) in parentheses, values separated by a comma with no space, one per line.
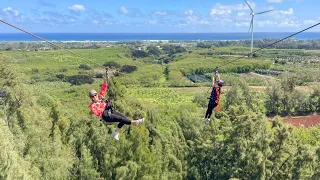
(35,79)
(79,79)
(204,45)
(128,68)
(34,70)
(63,70)
(3,93)
(8,49)
(170,49)
(139,54)
(201,99)
(84,67)
(98,73)
(60,76)
(112,64)
(153,50)
(52,79)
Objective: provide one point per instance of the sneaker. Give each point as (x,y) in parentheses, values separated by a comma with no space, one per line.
(115,135)
(139,122)
(205,119)
(208,119)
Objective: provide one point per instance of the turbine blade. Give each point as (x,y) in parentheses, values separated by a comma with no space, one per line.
(250,24)
(249,5)
(265,11)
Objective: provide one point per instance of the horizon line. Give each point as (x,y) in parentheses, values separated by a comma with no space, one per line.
(153,32)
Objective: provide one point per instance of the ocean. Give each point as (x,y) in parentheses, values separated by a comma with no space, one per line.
(154,36)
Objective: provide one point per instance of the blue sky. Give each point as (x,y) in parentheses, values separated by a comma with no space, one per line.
(160,16)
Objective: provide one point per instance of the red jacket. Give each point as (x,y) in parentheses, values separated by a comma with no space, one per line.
(98,108)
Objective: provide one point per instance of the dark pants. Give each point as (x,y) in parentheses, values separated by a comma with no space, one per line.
(210,108)
(115,117)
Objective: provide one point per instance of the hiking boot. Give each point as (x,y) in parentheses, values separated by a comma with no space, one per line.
(115,135)
(139,122)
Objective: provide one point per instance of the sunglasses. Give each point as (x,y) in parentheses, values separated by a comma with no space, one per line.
(94,95)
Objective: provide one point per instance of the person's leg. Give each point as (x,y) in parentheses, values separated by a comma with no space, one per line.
(116,118)
(119,114)
(133,122)
(210,108)
(209,111)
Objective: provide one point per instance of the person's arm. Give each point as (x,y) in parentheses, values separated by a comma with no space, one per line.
(103,89)
(219,77)
(213,79)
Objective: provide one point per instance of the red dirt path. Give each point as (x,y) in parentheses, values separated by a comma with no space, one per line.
(303,121)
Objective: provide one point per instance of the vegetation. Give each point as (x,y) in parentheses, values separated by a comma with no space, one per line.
(128,68)
(47,132)
(79,79)
(112,64)
(84,67)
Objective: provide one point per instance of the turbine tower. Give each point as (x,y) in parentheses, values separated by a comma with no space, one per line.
(251,24)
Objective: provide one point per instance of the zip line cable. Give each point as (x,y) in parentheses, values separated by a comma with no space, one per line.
(271,44)
(38,37)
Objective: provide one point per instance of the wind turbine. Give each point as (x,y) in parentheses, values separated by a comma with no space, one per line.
(251,24)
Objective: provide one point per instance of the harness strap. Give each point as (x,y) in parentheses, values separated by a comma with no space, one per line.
(217,99)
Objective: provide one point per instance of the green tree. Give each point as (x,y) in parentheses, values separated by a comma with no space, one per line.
(153,50)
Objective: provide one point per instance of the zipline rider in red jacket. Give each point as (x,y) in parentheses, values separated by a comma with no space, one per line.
(103,109)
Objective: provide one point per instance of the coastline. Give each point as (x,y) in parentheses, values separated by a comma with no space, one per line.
(151,37)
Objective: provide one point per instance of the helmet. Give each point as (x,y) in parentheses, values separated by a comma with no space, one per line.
(220,83)
(91,93)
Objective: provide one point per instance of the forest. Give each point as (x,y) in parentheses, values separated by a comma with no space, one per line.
(47,131)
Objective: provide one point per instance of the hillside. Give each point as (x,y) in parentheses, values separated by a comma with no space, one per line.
(47,131)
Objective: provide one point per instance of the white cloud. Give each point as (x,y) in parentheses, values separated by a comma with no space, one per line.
(95,22)
(274,1)
(281,18)
(124,10)
(182,25)
(241,24)
(310,22)
(152,21)
(289,23)
(131,12)
(223,14)
(266,23)
(190,19)
(222,9)
(240,14)
(161,13)
(10,11)
(77,8)
(10,14)
(189,12)
(289,12)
